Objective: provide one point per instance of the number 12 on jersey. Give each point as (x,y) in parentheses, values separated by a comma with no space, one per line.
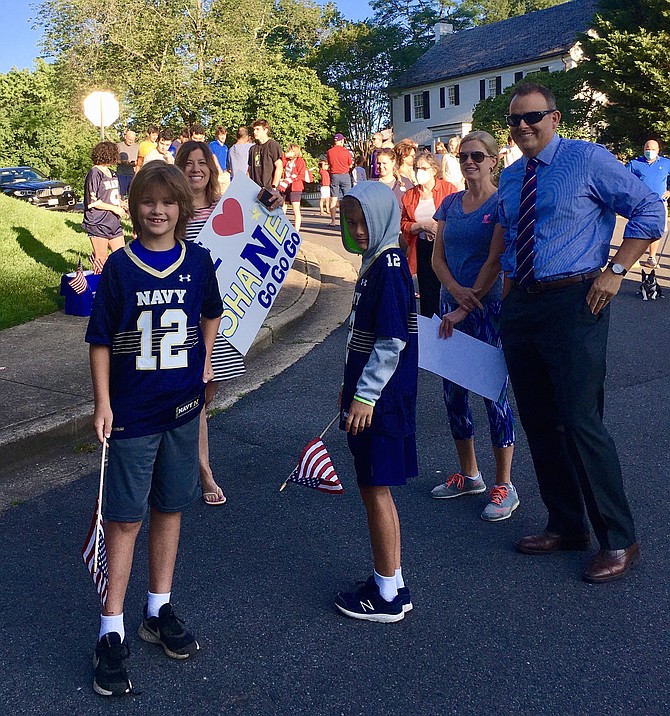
(172,318)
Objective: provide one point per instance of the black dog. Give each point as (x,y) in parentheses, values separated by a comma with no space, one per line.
(649,287)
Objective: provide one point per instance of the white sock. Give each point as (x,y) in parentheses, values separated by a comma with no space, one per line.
(387,586)
(112,623)
(399,581)
(476,477)
(155,602)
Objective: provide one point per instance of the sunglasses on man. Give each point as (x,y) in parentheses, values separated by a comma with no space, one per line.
(514,120)
(476,156)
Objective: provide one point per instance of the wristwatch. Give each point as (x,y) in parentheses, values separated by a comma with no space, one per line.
(617,269)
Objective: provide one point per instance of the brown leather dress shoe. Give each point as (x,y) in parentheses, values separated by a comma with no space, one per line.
(547,542)
(609,564)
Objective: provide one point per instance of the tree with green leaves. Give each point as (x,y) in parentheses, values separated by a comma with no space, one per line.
(627,59)
(357,60)
(175,62)
(40,127)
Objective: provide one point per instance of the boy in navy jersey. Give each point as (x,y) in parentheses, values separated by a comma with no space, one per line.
(154,320)
(378,398)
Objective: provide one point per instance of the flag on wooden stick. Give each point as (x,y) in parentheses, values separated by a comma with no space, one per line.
(315,469)
(96,565)
(94,551)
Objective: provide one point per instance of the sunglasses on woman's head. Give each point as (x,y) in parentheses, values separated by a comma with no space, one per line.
(514,120)
(476,156)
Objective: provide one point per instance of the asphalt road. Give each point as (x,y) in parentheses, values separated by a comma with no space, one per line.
(492,630)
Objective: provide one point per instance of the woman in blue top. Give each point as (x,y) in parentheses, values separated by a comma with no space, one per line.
(466,259)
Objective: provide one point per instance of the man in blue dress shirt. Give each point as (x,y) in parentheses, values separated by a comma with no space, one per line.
(555,321)
(654,171)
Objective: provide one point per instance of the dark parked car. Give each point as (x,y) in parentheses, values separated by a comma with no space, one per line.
(30,185)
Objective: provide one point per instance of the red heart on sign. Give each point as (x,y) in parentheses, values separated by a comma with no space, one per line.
(230,221)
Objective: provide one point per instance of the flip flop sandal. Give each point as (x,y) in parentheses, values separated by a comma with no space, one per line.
(213,503)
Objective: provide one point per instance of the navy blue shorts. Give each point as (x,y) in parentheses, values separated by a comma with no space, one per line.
(161,471)
(381,460)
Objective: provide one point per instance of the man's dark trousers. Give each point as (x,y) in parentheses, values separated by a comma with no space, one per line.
(555,350)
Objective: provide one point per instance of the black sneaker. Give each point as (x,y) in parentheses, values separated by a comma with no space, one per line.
(168,630)
(367,603)
(110,677)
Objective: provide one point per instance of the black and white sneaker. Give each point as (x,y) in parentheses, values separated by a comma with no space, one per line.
(110,677)
(367,603)
(168,630)
(403,593)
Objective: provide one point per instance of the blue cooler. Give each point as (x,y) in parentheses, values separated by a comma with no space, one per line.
(79,304)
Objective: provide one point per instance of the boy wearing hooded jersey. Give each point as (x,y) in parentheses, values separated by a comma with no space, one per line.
(378,398)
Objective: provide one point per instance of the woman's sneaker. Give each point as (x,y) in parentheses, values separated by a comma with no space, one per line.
(457,485)
(168,630)
(110,677)
(502,502)
(368,604)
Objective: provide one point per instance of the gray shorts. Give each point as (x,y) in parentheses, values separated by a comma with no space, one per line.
(161,471)
(340,184)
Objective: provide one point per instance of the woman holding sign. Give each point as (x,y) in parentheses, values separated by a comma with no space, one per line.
(197,162)
(466,259)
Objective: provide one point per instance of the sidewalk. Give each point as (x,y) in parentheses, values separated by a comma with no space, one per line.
(45,385)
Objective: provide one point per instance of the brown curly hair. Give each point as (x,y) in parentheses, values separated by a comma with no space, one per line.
(104,154)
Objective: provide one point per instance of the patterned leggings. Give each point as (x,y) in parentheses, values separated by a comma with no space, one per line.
(483,324)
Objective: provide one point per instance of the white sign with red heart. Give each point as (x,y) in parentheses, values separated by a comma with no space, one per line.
(252,250)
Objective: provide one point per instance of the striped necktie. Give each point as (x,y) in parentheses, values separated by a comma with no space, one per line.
(525,237)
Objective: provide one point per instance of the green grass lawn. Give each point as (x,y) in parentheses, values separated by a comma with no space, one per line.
(36,247)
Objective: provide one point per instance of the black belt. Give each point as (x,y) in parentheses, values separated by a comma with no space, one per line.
(542,286)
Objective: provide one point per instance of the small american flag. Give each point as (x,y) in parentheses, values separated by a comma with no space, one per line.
(98,265)
(78,282)
(87,552)
(315,469)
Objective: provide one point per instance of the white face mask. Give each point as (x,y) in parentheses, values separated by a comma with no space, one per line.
(651,155)
(423,176)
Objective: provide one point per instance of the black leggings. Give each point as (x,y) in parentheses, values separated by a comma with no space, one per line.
(429,284)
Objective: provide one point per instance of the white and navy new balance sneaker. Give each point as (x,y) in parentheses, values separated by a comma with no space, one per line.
(368,604)
(403,593)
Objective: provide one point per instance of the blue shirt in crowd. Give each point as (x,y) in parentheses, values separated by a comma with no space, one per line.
(581,188)
(220,151)
(654,174)
(467,242)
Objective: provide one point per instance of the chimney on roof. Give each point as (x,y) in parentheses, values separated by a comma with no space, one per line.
(441,29)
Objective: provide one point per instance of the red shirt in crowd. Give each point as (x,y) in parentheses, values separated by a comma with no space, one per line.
(339,159)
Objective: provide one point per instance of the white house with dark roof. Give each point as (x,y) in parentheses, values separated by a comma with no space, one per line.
(436,97)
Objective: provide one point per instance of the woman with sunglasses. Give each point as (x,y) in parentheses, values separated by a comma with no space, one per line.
(418,228)
(466,259)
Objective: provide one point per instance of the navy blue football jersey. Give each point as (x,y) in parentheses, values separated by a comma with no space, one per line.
(151,321)
(384,307)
